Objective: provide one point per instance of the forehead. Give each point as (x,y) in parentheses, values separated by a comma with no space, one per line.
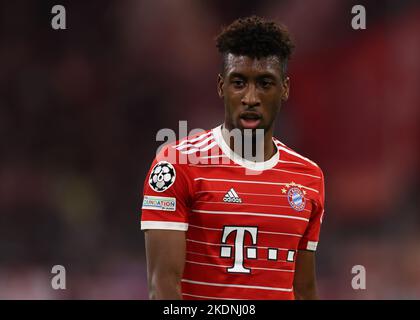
(245,64)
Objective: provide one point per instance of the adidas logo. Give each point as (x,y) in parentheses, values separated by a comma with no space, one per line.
(232,196)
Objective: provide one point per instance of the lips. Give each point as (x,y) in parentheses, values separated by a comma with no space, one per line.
(250,119)
(250,115)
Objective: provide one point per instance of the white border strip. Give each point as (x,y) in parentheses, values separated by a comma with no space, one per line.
(303,174)
(293,162)
(179,226)
(226,285)
(267,232)
(247,204)
(221,244)
(257,214)
(223,266)
(252,181)
(296,155)
(211,298)
(312,245)
(250,194)
(256,166)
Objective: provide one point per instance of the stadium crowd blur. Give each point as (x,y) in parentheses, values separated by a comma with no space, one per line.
(80,109)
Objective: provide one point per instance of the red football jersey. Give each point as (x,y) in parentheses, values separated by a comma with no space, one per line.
(244,220)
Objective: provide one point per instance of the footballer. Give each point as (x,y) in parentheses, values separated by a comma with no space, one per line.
(227,226)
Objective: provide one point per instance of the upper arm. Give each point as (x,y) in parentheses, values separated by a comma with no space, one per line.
(166,205)
(165,254)
(167,196)
(304,283)
(305,279)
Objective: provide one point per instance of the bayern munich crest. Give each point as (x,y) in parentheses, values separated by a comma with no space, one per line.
(295,196)
(162,176)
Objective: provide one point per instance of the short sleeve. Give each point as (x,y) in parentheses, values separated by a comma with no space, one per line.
(310,239)
(166,197)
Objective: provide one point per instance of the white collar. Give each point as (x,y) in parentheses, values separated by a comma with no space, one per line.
(252,165)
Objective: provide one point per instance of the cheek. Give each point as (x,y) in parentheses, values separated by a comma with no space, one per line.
(233,100)
(234,94)
(229,106)
(270,113)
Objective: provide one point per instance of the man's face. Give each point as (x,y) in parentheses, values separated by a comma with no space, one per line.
(252,90)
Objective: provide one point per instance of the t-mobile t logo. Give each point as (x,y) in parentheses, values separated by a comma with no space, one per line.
(251,252)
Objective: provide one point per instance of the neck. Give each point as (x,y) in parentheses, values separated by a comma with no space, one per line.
(261,149)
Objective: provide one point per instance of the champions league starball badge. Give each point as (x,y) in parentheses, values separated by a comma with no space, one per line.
(295,196)
(162,176)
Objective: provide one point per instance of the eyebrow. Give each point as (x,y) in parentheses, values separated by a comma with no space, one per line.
(263,75)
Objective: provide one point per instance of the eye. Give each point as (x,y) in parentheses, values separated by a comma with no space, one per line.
(266,84)
(238,83)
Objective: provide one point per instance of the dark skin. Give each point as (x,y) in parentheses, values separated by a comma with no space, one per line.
(246,85)
(165,253)
(253,85)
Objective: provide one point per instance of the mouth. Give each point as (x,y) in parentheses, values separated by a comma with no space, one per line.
(250,119)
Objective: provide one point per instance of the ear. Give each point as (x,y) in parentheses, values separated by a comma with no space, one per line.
(220,82)
(286,89)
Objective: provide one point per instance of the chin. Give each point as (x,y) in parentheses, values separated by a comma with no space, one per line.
(254,131)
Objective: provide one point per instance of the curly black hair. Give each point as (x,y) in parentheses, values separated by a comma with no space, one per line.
(255,37)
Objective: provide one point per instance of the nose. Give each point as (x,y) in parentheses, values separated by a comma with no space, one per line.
(250,98)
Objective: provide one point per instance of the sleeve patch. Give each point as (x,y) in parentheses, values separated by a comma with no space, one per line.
(159,203)
(312,245)
(162,176)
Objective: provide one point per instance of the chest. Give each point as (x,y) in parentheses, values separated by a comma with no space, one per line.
(271,201)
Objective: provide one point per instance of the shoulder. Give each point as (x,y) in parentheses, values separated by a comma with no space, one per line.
(182,151)
(287,154)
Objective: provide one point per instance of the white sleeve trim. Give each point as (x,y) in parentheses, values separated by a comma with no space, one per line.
(312,245)
(164,225)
